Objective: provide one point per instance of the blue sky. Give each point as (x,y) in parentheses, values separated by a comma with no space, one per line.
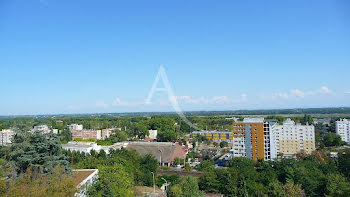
(103,56)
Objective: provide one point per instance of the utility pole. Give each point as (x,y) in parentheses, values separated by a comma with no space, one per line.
(161,154)
(154,184)
(72,157)
(166,184)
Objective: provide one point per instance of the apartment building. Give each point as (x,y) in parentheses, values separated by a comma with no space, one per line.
(216,136)
(291,138)
(249,138)
(41,128)
(257,138)
(75,127)
(342,128)
(6,136)
(79,132)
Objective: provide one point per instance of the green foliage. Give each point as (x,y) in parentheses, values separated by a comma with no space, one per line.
(178,161)
(119,165)
(205,166)
(65,135)
(332,139)
(336,185)
(223,144)
(113,181)
(59,184)
(39,151)
(166,136)
(344,163)
(280,119)
(310,176)
(187,188)
(172,180)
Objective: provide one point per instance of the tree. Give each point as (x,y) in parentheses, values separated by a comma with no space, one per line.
(332,139)
(167,136)
(190,187)
(337,186)
(344,163)
(205,166)
(58,184)
(112,181)
(175,191)
(148,165)
(121,136)
(223,144)
(39,151)
(178,161)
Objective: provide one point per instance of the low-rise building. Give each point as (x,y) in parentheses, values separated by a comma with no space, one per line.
(152,135)
(41,128)
(6,136)
(79,132)
(81,146)
(83,179)
(216,136)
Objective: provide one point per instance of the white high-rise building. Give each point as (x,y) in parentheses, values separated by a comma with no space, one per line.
(342,128)
(290,139)
(6,136)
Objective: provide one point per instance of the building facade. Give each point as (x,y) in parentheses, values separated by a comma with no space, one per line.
(249,138)
(81,146)
(6,136)
(342,128)
(256,138)
(75,127)
(216,136)
(79,132)
(41,128)
(291,138)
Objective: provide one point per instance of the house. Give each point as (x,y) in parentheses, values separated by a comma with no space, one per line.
(152,135)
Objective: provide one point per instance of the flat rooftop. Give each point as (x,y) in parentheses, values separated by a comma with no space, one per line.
(80,175)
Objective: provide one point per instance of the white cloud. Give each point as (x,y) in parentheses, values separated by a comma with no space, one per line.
(243,97)
(325,90)
(283,95)
(221,99)
(186,99)
(101,104)
(297,93)
(209,100)
(118,102)
(347,92)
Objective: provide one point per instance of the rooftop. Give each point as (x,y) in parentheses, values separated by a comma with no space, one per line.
(78,144)
(251,120)
(81,175)
(167,150)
